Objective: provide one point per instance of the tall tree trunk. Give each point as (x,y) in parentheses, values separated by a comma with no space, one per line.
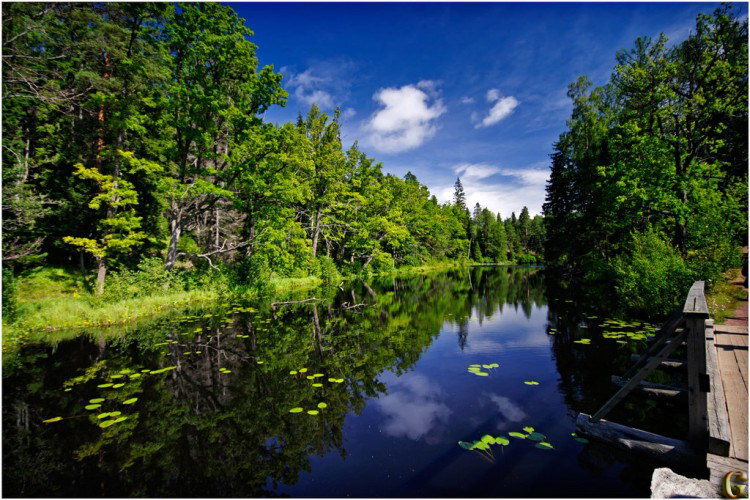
(101,263)
(216,228)
(175,226)
(100,275)
(316,232)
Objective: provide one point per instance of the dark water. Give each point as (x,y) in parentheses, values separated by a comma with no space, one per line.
(218,424)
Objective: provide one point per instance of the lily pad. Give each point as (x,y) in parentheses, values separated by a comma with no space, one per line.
(528,429)
(302,370)
(317,385)
(293,372)
(482,374)
(536,436)
(502,441)
(318,375)
(130,401)
(296,410)
(517,435)
(106,423)
(117,386)
(96,400)
(322,405)
(102,386)
(51,420)
(92,407)
(488,439)
(312,412)
(581,440)
(531,382)
(544,446)
(121,419)
(465,445)
(102,415)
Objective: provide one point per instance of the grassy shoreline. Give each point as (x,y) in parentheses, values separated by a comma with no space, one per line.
(54,300)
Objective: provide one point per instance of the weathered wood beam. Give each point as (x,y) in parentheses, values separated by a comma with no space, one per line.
(695,313)
(664,449)
(672,364)
(656,390)
(719,433)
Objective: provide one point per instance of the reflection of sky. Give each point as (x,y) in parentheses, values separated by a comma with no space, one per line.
(413,407)
(511,330)
(507,408)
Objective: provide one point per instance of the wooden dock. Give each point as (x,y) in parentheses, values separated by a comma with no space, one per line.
(717,394)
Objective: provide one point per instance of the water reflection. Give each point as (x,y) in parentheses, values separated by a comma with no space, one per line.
(393,355)
(413,408)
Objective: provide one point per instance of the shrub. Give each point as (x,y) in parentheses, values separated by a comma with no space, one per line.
(327,271)
(651,278)
(10,295)
(149,278)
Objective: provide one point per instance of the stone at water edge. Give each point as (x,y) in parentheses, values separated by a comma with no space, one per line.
(668,484)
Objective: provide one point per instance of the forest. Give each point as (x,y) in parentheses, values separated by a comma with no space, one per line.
(648,187)
(134,143)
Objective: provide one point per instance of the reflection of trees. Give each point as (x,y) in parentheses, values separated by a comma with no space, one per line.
(198,432)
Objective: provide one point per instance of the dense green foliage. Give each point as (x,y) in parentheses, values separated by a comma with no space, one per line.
(648,188)
(135,131)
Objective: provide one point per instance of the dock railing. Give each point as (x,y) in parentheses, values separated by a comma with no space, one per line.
(708,422)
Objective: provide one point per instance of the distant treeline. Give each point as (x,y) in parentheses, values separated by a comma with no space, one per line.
(135,130)
(649,186)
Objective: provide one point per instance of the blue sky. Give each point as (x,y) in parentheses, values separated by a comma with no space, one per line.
(476,90)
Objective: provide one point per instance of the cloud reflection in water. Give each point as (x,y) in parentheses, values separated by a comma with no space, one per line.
(413,409)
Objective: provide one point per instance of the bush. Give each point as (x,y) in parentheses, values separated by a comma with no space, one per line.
(652,278)
(149,278)
(10,295)
(327,271)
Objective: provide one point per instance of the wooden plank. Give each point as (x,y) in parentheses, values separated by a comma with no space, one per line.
(669,363)
(695,303)
(668,349)
(719,434)
(656,390)
(671,451)
(731,360)
(731,329)
(698,383)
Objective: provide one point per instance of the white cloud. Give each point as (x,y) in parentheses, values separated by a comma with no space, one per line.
(507,408)
(466,100)
(307,89)
(526,187)
(407,117)
(502,108)
(325,83)
(475,170)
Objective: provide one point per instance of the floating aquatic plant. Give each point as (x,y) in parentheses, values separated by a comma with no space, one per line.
(579,438)
(322,405)
(52,420)
(317,385)
(312,412)
(96,400)
(517,435)
(130,401)
(531,382)
(92,407)
(296,410)
(293,372)
(544,446)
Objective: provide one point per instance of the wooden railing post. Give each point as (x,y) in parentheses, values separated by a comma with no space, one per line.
(695,313)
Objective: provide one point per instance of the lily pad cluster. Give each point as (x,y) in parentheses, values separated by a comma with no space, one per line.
(299,409)
(476,369)
(483,446)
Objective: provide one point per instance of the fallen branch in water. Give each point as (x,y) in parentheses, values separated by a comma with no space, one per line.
(274,304)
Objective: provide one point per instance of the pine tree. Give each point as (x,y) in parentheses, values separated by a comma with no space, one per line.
(459,197)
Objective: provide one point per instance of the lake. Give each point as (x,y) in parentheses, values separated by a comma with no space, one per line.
(366,392)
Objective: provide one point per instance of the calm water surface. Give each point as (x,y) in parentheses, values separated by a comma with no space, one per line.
(214,419)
